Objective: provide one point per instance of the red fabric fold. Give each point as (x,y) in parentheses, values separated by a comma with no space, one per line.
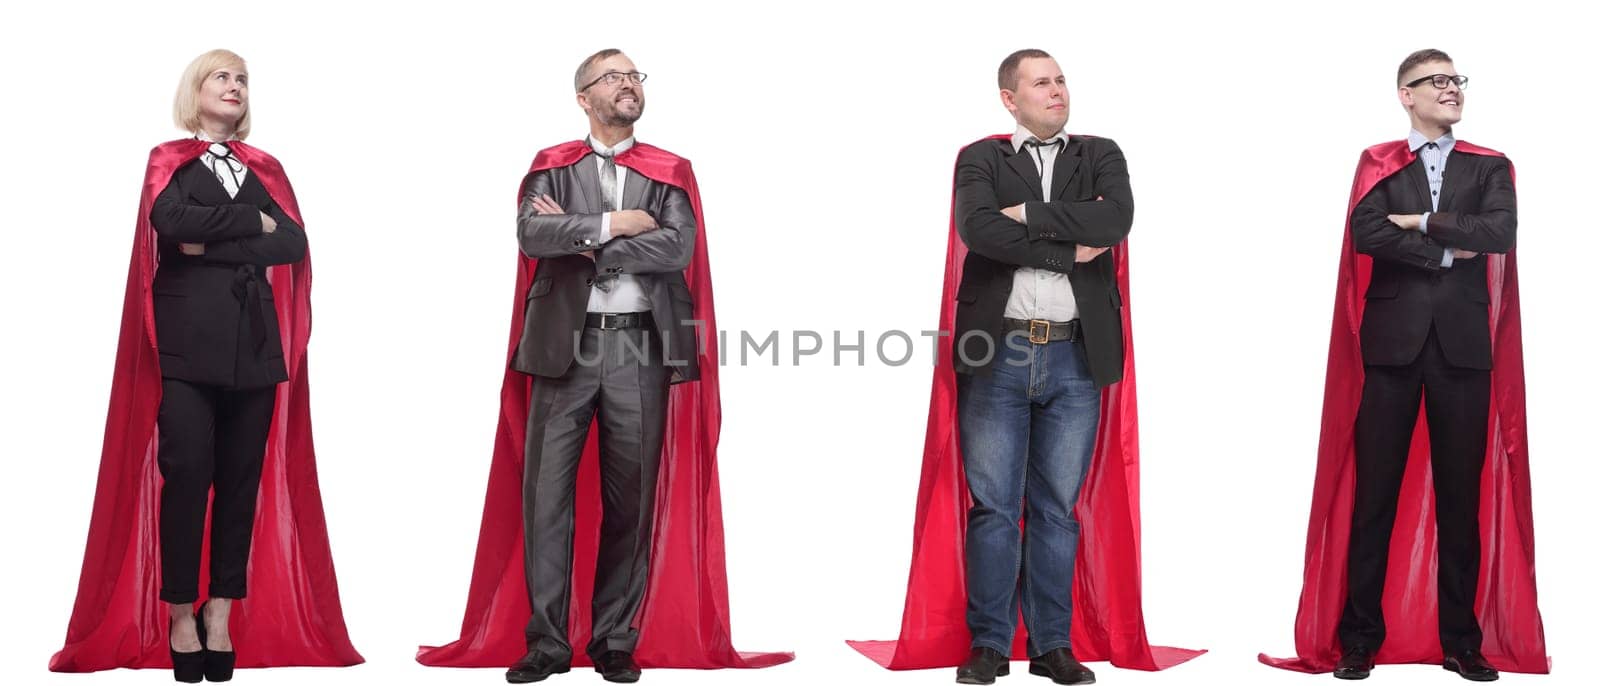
(684,619)
(292,615)
(1108,619)
(1507,603)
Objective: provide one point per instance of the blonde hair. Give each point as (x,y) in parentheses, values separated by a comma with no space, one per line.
(186,104)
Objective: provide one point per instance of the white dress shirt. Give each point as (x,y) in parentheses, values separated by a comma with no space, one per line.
(1435,154)
(626,294)
(229,170)
(1040,293)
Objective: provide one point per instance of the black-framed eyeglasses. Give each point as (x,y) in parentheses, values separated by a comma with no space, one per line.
(614,79)
(1440,81)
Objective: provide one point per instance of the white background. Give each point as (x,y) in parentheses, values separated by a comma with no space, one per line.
(823,136)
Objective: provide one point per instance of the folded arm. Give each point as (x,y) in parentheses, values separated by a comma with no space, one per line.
(552,235)
(177,220)
(1102,222)
(989,232)
(665,248)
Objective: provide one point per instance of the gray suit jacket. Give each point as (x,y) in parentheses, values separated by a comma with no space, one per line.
(559,296)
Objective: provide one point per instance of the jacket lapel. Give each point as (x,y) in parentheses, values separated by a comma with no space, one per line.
(1021,162)
(633,190)
(1419,183)
(1066,167)
(1464,172)
(204,185)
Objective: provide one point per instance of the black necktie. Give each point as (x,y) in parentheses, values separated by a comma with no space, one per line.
(1036,144)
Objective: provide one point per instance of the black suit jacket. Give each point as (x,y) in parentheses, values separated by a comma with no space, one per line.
(559,296)
(990,176)
(216,321)
(1410,292)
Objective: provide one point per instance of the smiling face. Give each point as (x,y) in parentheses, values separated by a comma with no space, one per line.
(225,96)
(1039,99)
(1431,107)
(617,104)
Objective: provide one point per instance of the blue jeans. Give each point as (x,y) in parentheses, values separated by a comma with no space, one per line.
(1027,437)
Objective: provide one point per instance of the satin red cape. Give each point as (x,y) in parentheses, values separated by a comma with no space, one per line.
(684,620)
(1507,604)
(292,616)
(1107,618)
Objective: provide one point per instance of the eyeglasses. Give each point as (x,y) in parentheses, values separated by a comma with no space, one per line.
(615,78)
(1440,81)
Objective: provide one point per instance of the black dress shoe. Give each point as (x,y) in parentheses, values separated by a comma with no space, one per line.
(1061,667)
(217,664)
(1471,666)
(982,666)
(188,667)
(536,666)
(1355,663)
(617,666)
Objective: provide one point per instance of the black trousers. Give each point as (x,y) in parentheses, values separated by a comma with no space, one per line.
(1457,407)
(619,375)
(211,439)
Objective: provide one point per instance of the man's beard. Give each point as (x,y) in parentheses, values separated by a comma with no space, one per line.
(612,116)
(616,118)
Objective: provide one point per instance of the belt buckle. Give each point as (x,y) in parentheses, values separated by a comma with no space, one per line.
(1034,326)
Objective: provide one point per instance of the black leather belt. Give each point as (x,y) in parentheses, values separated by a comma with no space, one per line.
(622,320)
(1044,331)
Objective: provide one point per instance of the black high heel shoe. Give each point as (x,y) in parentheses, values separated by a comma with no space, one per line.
(190,667)
(217,665)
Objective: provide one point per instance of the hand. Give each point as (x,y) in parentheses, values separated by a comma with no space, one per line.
(589,254)
(1087,253)
(1465,254)
(1014,212)
(192,248)
(631,222)
(1407,222)
(268,224)
(545,204)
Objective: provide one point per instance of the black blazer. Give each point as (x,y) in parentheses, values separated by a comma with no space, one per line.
(558,298)
(990,176)
(215,317)
(1409,292)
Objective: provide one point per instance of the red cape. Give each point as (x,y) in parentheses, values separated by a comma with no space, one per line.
(292,616)
(684,618)
(1107,621)
(1507,604)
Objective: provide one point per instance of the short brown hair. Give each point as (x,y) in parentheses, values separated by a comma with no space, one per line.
(580,79)
(1416,58)
(1013,62)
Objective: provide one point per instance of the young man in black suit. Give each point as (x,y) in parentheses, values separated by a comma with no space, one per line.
(1425,340)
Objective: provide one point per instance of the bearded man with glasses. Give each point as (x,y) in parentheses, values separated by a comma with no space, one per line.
(613,286)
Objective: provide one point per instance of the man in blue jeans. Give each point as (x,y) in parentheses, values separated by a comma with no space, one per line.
(1038,334)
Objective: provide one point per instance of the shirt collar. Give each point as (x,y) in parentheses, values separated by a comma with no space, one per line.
(203,136)
(1023,134)
(617,149)
(1416,140)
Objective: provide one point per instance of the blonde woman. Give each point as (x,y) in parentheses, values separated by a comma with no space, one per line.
(215,322)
